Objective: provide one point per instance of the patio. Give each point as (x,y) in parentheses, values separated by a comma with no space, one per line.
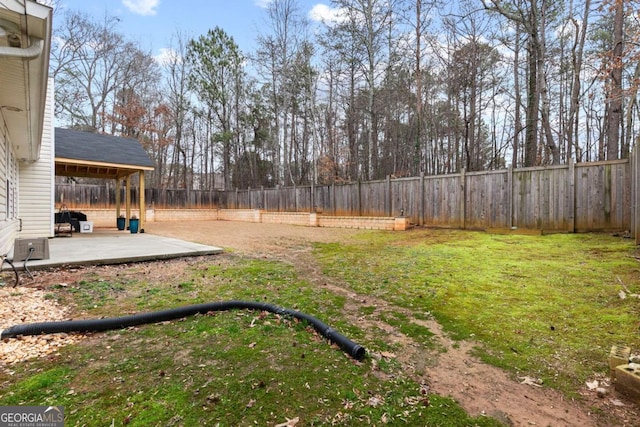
(110,246)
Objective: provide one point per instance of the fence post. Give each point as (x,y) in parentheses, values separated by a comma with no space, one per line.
(333,198)
(463,198)
(510,197)
(423,201)
(312,198)
(389,197)
(279,194)
(572,196)
(359,195)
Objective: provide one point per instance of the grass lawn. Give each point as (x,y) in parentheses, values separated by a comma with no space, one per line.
(543,306)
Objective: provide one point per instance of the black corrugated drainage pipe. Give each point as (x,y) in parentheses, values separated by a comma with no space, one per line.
(94,325)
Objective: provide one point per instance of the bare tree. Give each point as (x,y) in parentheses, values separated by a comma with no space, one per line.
(177,72)
(277,49)
(367,23)
(532,16)
(90,61)
(579,31)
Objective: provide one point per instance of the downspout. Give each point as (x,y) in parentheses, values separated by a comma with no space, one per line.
(31,52)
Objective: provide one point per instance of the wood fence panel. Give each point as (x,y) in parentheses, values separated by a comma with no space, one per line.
(525,201)
(303,199)
(271,199)
(201,199)
(323,198)
(487,199)
(346,200)
(603,196)
(406,198)
(621,187)
(255,199)
(242,199)
(442,200)
(541,198)
(287,199)
(374,198)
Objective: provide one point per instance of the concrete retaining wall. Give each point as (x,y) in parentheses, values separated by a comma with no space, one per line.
(105,218)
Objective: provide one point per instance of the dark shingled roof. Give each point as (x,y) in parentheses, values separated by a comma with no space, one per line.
(93,147)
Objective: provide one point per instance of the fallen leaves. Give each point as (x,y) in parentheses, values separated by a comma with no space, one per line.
(213,399)
(592,385)
(290,422)
(375,401)
(535,382)
(626,292)
(30,305)
(599,386)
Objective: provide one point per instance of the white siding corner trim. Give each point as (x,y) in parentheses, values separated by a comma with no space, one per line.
(36,182)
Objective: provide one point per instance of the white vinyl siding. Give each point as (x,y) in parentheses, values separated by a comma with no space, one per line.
(36,182)
(9,223)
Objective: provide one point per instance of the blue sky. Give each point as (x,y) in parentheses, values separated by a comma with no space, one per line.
(153,22)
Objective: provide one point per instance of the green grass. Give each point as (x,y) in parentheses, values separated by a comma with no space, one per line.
(542,306)
(235,368)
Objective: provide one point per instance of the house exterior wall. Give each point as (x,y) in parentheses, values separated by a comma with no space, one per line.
(9,222)
(37,181)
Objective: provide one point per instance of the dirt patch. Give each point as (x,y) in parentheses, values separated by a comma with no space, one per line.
(450,371)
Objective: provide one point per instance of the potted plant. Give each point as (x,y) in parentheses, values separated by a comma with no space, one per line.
(121,222)
(134,223)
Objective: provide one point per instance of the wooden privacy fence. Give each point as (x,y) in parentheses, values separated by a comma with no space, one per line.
(103,196)
(575,197)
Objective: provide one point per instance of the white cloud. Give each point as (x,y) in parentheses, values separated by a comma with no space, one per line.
(325,14)
(142,7)
(262,3)
(167,56)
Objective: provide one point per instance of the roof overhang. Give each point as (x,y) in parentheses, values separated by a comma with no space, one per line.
(25,41)
(89,169)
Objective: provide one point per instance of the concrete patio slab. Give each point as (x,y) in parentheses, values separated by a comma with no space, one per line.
(113,247)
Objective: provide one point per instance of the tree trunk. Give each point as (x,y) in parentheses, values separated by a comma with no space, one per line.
(533,102)
(518,99)
(614,120)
